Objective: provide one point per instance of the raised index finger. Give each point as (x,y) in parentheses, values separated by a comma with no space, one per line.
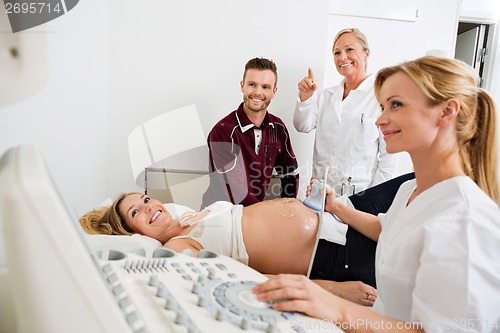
(310,74)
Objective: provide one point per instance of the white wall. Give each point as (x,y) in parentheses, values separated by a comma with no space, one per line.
(169,54)
(67,117)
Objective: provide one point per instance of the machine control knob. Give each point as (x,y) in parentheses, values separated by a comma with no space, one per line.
(220,314)
(180,318)
(153,280)
(211,274)
(161,292)
(171,304)
(272,328)
(202,278)
(202,301)
(245,323)
(196,288)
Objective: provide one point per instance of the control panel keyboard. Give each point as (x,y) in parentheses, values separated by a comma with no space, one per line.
(174,292)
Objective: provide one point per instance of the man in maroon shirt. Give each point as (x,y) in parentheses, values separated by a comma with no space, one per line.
(249,143)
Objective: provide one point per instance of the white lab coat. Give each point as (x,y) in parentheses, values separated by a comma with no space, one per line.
(438,259)
(347,139)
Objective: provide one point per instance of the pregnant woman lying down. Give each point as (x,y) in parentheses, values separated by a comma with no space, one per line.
(272,237)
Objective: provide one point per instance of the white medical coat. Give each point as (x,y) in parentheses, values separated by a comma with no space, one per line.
(438,259)
(346,139)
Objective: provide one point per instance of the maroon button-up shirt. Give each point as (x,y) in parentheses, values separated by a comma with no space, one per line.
(240,175)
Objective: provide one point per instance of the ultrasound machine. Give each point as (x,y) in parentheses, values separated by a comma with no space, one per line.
(57,283)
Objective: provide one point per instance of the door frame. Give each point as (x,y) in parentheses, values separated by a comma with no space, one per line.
(490,66)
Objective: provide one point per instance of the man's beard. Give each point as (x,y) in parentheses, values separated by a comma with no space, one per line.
(256,108)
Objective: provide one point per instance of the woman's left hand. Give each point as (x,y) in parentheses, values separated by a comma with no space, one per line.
(354,291)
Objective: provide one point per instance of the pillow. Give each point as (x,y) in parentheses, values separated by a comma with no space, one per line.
(177,210)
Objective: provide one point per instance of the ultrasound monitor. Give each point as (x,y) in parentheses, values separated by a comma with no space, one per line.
(55,282)
(58,284)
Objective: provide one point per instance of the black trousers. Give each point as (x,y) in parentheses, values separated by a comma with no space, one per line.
(355,261)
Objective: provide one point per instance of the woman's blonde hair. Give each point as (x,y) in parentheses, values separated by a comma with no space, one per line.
(441,79)
(359,36)
(106,220)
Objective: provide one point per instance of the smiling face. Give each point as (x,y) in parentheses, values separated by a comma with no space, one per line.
(349,55)
(148,217)
(258,87)
(408,121)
